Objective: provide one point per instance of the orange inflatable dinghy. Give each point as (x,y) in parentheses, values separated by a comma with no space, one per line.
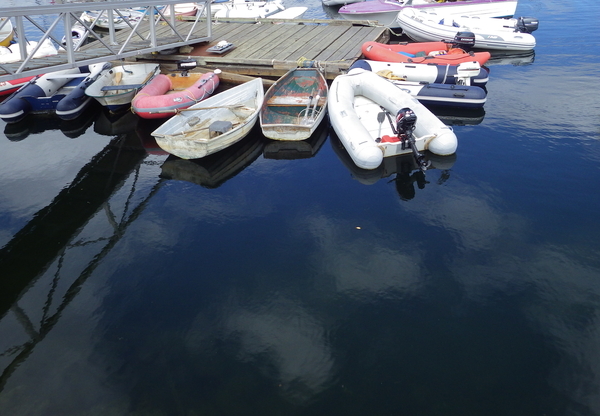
(422,53)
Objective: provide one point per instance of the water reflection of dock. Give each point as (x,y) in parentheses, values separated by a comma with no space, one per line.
(105,189)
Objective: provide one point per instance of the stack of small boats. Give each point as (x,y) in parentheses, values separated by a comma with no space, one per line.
(380,108)
(250,9)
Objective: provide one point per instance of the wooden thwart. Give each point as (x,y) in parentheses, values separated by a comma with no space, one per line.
(199,108)
(292,101)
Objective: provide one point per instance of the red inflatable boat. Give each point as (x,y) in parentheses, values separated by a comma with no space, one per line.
(8,87)
(166,94)
(422,53)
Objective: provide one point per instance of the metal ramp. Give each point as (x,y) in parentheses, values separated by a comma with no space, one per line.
(158,30)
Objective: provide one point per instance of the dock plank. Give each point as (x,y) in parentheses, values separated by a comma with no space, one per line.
(293,42)
(311,49)
(293,37)
(262,39)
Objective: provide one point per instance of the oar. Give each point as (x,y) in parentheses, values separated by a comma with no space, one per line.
(380,119)
(197,109)
(310,97)
(314,109)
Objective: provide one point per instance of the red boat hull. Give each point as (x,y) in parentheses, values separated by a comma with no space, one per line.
(166,94)
(412,53)
(8,87)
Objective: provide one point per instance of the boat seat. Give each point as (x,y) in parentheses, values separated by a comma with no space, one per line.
(292,101)
(120,87)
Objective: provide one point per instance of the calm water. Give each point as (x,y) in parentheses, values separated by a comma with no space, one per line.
(269,281)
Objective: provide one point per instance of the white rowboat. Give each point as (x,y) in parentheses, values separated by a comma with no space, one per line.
(213,124)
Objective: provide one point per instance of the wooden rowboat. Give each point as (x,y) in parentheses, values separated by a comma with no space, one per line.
(213,124)
(295,105)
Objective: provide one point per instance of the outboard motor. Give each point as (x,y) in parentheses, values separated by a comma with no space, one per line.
(464,40)
(405,122)
(185,65)
(527,24)
(405,125)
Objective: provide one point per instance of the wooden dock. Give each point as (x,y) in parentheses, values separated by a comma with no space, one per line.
(270,48)
(267,46)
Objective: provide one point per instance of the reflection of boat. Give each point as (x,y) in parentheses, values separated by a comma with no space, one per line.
(144,129)
(214,170)
(458,116)
(294,105)
(36,124)
(113,124)
(213,124)
(511,58)
(404,166)
(490,33)
(302,149)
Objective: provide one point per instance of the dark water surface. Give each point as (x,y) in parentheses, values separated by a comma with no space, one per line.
(269,281)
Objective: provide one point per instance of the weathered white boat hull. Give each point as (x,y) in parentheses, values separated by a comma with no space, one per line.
(188,136)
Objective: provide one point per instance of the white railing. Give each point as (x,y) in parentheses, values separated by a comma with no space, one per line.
(142,38)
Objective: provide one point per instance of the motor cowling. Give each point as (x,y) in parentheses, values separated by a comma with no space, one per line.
(405,121)
(464,40)
(527,24)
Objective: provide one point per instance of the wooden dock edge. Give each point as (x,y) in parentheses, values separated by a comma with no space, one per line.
(256,65)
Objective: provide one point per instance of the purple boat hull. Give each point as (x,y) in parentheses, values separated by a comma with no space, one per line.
(386,11)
